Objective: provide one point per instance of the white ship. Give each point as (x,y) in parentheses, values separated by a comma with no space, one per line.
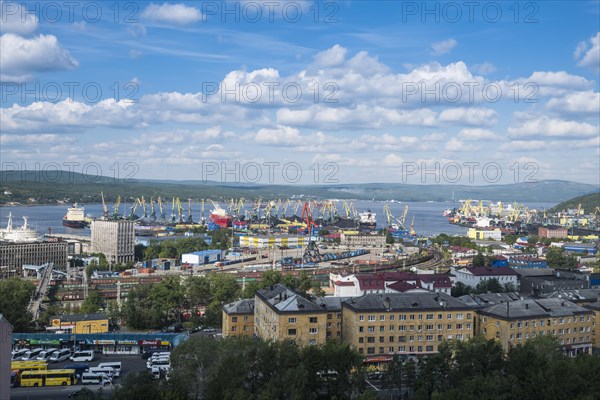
(21,234)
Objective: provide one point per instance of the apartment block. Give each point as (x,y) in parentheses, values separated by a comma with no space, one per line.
(514,322)
(14,255)
(405,323)
(280,314)
(595,307)
(238,318)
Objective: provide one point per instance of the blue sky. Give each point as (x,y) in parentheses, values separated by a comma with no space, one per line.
(375,91)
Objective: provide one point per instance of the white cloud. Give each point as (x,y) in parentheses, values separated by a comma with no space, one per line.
(484,68)
(333,56)
(553,128)
(443,47)
(21,57)
(178,14)
(576,102)
(14,18)
(591,57)
(469,116)
(279,136)
(476,134)
(392,160)
(455,145)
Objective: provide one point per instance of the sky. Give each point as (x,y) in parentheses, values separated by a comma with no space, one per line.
(303,92)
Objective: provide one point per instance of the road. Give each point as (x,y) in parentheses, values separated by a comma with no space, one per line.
(131,364)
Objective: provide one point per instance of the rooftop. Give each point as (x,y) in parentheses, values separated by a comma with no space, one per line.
(488,299)
(524,309)
(243,306)
(487,271)
(205,252)
(83,317)
(284,300)
(427,301)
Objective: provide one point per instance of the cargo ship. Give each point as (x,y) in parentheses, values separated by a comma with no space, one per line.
(75,217)
(367,221)
(220,217)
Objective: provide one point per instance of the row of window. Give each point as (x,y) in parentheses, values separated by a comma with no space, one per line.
(419,328)
(520,324)
(403,317)
(235,319)
(411,338)
(294,332)
(401,349)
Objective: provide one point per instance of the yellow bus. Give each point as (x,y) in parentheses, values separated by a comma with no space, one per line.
(28,365)
(50,377)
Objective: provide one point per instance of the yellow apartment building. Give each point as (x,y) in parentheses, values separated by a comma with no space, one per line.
(595,307)
(405,323)
(238,318)
(280,314)
(513,323)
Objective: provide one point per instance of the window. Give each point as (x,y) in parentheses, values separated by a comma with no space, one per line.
(382,317)
(519,336)
(449,316)
(291,331)
(370,350)
(402,339)
(420,317)
(313,320)
(429,327)
(234,328)
(401,348)
(401,317)
(312,331)
(468,315)
(381,339)
(361,339)
(370,340)
(429,316)
(440,316)
(371,329)
(459,337)
(246,319)
(411,338)
(361,317)
(292,320)
(412,316)
(382,329)
(391,339)
(392,317)
(361,328)
(519,324)
(429,338)
(392,328)
(420,348)
(245,328)
(329,316)
(459,316)
(440,338)
(329,325)
(411,349)
(233,319)
(459,326)
(412,327)
(402,328)
(371,318)
(449,326)
(440,327)
(429,348)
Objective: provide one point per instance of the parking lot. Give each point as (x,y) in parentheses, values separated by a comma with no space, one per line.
(131,364)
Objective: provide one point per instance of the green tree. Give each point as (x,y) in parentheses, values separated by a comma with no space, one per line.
(510,239)
(479,260)
(92,303)
(389,239)
(557,258)
(15,294)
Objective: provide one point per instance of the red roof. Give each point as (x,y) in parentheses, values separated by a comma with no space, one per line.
(369,282)
(438,280)
(398,276)
(401,286)
(342,283)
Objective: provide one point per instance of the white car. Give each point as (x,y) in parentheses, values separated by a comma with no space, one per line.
(46,354)
(81,356)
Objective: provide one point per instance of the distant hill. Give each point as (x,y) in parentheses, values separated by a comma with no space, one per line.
(51,187)
(588,202)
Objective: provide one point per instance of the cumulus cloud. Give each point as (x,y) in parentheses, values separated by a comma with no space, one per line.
(576,102)
(587,53)
(476,134)
(545,126)
(16,19)
(443,47)
(176,14)
(484,68)
(469,116)
(21,57)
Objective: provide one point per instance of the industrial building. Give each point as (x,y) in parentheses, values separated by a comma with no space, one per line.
(13,255)
(115,239)
(362,240)
(202,257)
(273,241)
(80,323)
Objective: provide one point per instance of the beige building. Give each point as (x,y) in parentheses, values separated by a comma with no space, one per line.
(362,240)
(114,239)
(6,331)
(238,318)
(595,307)
(281,314)
(405,323)
(14,255)
(513,323)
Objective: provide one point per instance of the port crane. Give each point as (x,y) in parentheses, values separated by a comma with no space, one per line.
(104,208)
(152,210)
(312,251)
(116,209)
(189,215)
(161,209)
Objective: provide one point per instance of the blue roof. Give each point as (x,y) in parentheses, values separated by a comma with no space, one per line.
(206,252)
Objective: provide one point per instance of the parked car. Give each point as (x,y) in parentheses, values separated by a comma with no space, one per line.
(81,356)
(60,355)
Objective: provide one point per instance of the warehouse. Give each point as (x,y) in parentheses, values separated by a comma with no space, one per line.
(202,257)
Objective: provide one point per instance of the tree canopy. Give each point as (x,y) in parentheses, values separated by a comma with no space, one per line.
(15,294)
